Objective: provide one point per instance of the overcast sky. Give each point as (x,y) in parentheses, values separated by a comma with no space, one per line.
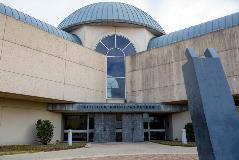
(172,15)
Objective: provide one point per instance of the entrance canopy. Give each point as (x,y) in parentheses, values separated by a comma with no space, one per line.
(117,107)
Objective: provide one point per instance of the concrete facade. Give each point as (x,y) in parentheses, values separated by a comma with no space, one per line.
(179,120)
(138,36)
(156,75)
(18,118)
(35,65)
(39,69)
(33,62)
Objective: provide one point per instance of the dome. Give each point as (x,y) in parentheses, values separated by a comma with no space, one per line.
(111,13)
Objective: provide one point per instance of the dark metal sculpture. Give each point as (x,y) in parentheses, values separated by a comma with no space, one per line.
(213,112)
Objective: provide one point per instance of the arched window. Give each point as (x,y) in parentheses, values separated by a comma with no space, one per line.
(115,48)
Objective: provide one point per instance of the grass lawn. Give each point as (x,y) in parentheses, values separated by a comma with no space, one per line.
(18,149)
(175,143)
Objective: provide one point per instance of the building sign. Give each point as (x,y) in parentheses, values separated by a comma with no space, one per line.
(109,107)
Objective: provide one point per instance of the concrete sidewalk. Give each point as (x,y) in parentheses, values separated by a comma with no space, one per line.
(105,149)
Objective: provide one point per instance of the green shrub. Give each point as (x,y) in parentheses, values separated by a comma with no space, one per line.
(190,132)
(44,131)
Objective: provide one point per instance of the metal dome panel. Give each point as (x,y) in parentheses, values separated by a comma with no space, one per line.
(37,23)
(195,31)
(111,12)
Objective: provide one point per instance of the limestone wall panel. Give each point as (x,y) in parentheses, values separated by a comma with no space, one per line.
(1,45)
(18,118)
(26,85)
(179,92)
(177,73)
(179,120)
(165,75)
(233,83)
(235,61)
(226,39)
(85,56)
(36,63)
(138,96)
(79,94)
(30,62)
(178,51)
(227,58)
(84,76)
(32,37)
(168,84)
(2,25)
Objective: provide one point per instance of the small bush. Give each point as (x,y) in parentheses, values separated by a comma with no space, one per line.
(189,132)
(44,131)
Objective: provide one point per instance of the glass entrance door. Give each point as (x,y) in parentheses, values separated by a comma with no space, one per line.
(78,125)
(157,127)
(154,127)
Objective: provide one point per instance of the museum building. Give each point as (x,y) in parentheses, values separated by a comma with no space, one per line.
(108,72)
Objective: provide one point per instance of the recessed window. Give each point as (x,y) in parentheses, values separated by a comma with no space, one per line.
(115,52)
(101,48)
(115,67)
(121,42)
(129,49)
(109,41)
(115,87)
(115,48)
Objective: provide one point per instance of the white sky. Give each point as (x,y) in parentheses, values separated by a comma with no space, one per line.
(172,15)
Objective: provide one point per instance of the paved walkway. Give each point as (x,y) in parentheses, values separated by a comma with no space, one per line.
(107,149)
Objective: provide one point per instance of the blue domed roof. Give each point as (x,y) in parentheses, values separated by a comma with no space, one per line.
(112,13)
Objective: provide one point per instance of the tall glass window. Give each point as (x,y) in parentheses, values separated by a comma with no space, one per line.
(115,47)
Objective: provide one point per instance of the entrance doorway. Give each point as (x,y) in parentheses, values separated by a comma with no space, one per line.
(115,127)
(154,127)
(82,127)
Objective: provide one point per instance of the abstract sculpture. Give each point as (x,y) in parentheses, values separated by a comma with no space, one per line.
(213,112)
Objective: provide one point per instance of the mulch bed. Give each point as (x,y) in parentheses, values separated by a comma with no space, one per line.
(146,157)
(18,149)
